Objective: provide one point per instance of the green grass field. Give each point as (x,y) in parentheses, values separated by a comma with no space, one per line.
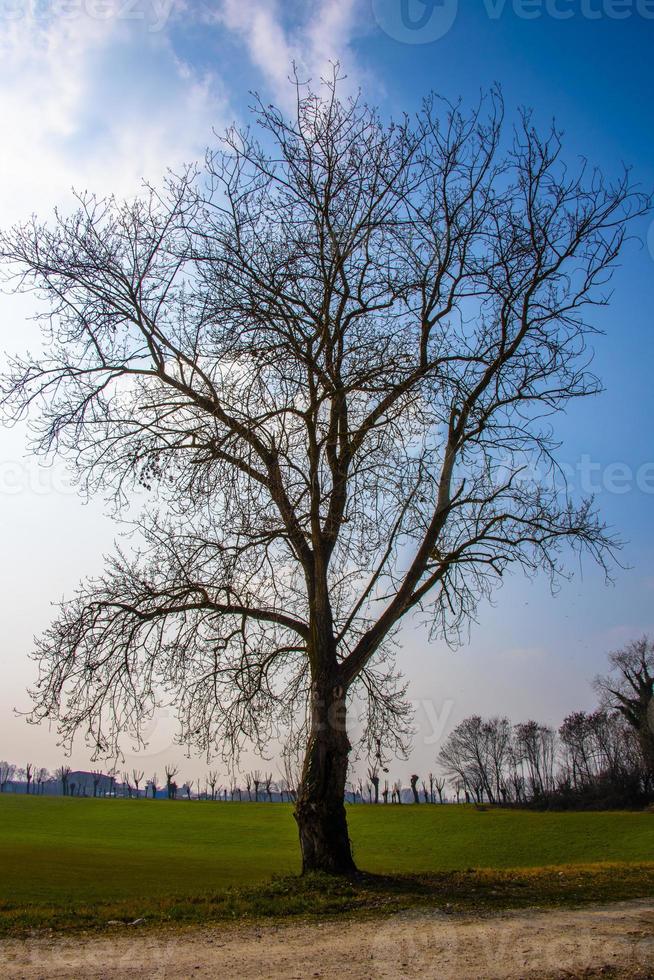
(71,855)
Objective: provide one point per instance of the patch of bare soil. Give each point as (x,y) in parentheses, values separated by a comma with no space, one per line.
(608,941)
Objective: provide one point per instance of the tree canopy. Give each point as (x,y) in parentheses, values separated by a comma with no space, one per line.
(331,355)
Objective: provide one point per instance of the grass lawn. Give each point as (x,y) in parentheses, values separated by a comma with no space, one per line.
(84,860)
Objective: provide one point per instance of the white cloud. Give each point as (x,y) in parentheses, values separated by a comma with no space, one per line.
(313,42)
(95,103)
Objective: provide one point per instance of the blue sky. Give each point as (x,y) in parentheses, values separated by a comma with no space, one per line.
(98,94)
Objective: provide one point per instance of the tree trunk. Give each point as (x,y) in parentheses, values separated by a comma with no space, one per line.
(320,806)
(646,739)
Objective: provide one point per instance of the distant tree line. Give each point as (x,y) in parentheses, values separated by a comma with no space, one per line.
(257,787)
(599,758)
(602,758)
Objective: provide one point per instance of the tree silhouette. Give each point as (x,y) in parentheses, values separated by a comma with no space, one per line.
(331,363)
(629,689)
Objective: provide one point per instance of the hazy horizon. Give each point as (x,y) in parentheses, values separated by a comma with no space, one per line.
(100,102)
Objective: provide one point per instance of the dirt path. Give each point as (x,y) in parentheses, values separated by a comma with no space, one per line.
(613,941)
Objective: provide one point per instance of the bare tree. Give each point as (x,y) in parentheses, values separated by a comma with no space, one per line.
(152,783)
(171,772)
(439,784)
(137,778)
(315,357)
(62,774)
(596,747)
(414,788)
(373,775)
(464,755)
(292,766)
(41,777)
(385,791)
(498,734)
(256,782)
(629,689)
(268,783)
(29,772)
(213,782)
(534,749)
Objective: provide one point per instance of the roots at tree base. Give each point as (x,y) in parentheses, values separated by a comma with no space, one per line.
(324,838)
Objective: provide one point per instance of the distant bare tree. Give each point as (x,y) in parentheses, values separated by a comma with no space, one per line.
(385,791)
(414,788)
(373,775)
(248,785)
(256,782)
(292,765)
(534,749)
(334,356)
(439,785)
(498,734)
(62,774)
(152,783)
(268,783)
(29,772)
(596,745)
(397,791)
(476,752)
(171,772)
(629,689)
(41,777)
(213,782)
(137,778)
